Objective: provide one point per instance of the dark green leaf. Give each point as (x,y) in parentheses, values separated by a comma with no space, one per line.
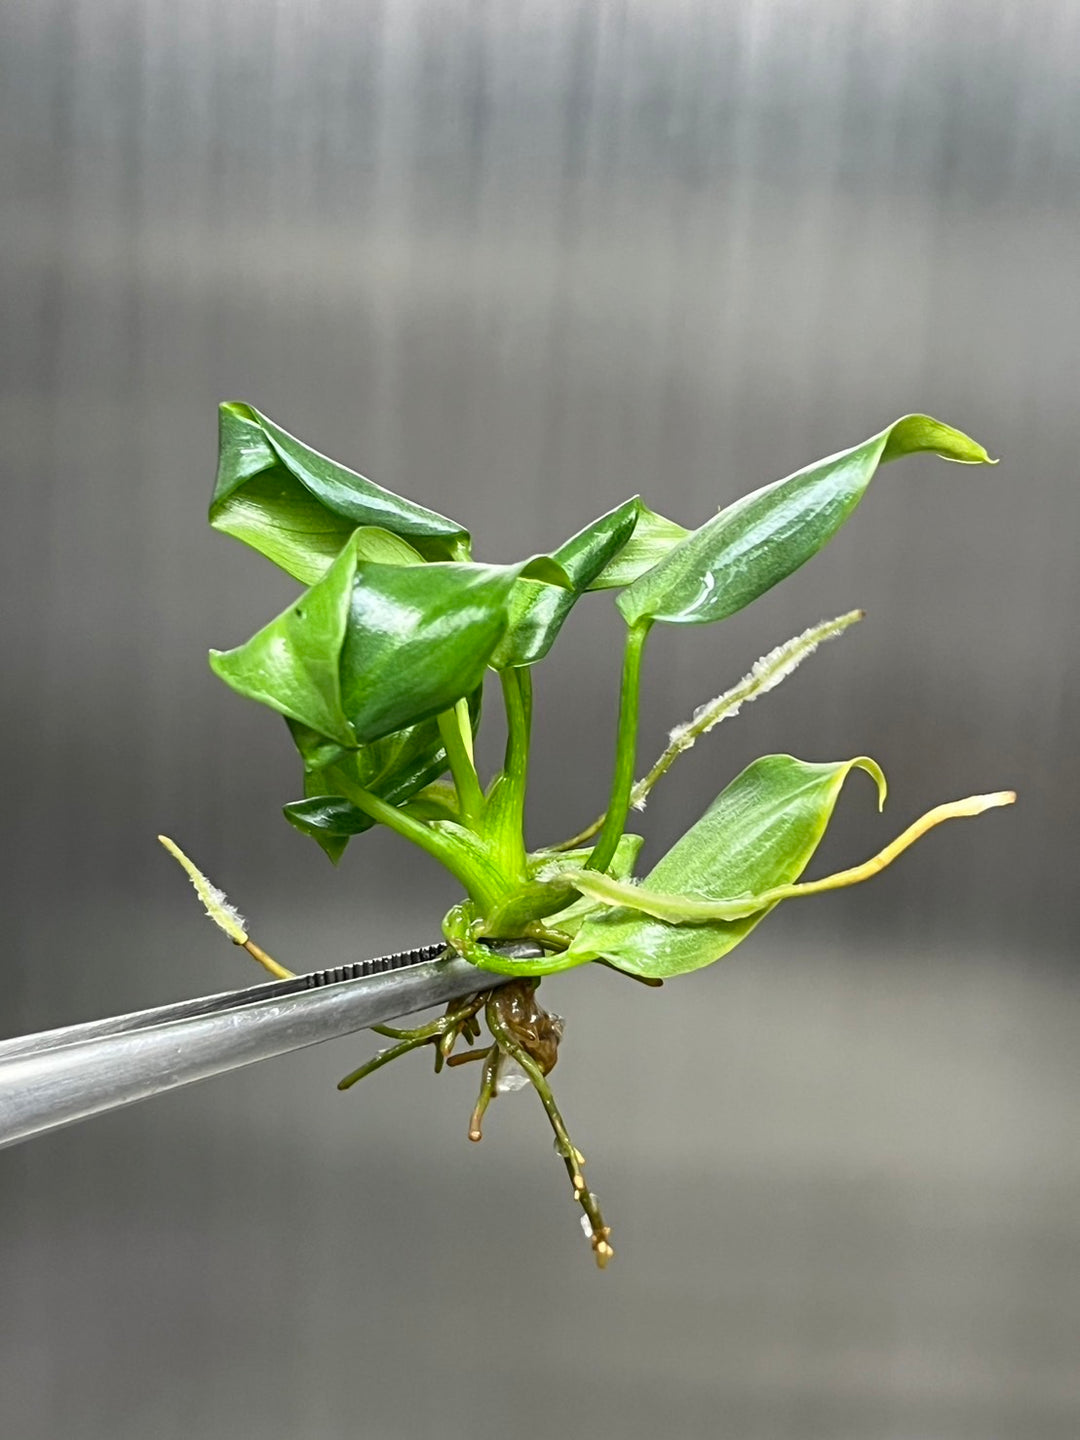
(398,768)
(293,664)
(298,508)
(329,820)
(538,611)
(760,832)
(759,540)
(371,648)
(420,638)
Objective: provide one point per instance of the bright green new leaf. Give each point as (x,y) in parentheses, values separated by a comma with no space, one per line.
(653,537)
(762,538)
(298,508)
(294,663)
(373,648)
(760,832)
(538,611)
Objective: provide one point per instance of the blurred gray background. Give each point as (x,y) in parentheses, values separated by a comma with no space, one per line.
(521,260)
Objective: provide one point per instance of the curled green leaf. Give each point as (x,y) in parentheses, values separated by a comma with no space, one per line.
(765,536)
(760,832)
(298,508)
(652,538)
(538,611)
(293,665)
(373,648)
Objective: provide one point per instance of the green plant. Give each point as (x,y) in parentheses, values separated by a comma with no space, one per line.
(378,669)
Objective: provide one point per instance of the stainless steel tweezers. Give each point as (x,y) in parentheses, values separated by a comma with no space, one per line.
(57,1077)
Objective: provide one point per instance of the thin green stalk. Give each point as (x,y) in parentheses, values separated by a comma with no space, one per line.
(766,674)
(480,880)
(625,749)
(459,755)
(512,783)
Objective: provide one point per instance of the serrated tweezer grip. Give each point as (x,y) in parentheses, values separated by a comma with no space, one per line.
(60,1076)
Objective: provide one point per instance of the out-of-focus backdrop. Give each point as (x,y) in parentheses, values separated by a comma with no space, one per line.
(520,260)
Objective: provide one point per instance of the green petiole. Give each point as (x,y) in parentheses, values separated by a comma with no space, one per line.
(625,748)
(454,727)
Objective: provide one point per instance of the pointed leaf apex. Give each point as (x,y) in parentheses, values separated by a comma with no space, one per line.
(239,408)
(874,770)
(913,433)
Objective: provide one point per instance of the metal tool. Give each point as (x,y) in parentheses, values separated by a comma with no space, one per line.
(57,1077)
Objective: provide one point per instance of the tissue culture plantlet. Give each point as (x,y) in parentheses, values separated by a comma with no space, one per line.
(378,667)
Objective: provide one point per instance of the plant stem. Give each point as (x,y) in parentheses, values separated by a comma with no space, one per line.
(459,755)
(517,695)
(266,961)
(479,880)
(766,674)
(505,815)
(625,749)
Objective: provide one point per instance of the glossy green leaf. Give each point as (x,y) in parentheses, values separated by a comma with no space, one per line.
(398,768)
(538,611)
(652,538)
(760,832)
(294,663)
(298,508)
(762,538)
(372,648)
(420,638)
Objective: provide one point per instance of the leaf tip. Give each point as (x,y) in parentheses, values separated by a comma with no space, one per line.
(874,770)
(980,457)
(239,409)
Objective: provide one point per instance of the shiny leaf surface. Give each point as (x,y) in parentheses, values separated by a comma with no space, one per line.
(652,538)
(372,648)
(419,638)
(298,508)
(538,611)
(763,537)
(294,663)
